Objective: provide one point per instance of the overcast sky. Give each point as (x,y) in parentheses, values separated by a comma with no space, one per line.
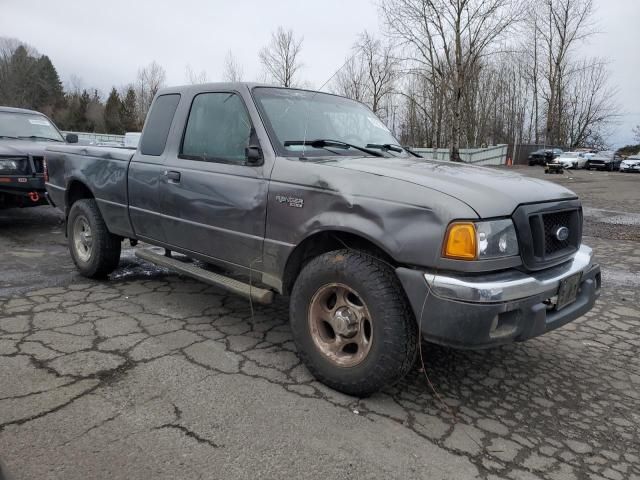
(104,43)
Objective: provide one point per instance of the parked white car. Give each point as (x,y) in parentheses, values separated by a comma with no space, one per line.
(631,164)
(571,160)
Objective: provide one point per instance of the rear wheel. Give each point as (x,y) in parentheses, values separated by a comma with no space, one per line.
(95,250)
(351,322)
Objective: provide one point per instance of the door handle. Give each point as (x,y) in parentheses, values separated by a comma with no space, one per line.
(172,175)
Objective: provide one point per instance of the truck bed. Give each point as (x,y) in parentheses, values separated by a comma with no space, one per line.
(107,153)
(104,168)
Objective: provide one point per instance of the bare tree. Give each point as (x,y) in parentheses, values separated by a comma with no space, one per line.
(636,133)
(450,38)
(369,75)
(589,105)
(74,85)
(233,71)
(280,58)
(531,52)
(351,80)
(380,67)
(150,79)
(8,45)
(195,78)
(560,25)
(18,72)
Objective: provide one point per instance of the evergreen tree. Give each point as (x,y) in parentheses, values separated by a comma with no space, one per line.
(48,95)
(112,113)
(95,113)
(72,117)
(81,112)
(128,114)
(23,78)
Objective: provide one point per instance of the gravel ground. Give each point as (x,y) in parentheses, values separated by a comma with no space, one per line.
(150,375)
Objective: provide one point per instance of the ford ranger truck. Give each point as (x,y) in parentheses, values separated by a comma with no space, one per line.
(24,135)
(308,195)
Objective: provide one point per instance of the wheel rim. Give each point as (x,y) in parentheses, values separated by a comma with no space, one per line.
(82,238)
(340,325)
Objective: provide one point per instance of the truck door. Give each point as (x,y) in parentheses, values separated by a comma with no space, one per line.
(146,171)
(215,201)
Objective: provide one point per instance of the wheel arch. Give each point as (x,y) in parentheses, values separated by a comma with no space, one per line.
(76,190)
(324,241)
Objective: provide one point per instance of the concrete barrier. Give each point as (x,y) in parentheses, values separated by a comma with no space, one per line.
(495,155)
(88,138)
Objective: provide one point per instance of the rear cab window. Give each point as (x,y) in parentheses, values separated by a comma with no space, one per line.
(154,138)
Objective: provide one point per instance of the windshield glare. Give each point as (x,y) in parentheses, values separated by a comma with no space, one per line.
(296,115)
(26,125)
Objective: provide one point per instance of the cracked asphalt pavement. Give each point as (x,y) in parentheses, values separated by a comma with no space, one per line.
(151,375)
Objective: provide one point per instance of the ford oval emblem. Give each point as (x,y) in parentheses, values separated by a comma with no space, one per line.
(562,233)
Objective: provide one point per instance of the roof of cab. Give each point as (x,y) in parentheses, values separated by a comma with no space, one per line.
(233,86)
(203,87)
(17,110)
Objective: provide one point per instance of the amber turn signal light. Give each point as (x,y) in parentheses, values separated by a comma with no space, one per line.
(460,242)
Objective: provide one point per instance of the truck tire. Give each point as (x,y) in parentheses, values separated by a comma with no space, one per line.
(351,322)
(95,250)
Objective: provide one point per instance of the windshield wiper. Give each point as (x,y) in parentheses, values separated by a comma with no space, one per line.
(9,136)
(412,152)
(36,137)
(389,147)
(324,143)
(394,147)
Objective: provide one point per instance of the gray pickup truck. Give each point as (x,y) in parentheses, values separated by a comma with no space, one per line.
(308,195)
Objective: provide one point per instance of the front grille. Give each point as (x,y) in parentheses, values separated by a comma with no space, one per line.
(38,165)
(537,227)
(552,222)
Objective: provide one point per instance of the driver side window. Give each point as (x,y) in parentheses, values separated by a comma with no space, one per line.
(218,129)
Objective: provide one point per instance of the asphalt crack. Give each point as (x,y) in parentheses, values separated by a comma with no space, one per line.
(190,434)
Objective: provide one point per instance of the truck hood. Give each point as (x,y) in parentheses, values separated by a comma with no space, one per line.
(490,192)
(24,147)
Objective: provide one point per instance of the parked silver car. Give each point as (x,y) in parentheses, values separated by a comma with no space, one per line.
(571,160)
(631,164)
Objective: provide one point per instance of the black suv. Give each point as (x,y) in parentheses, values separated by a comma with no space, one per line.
(24,134)
(543,156)
(606,160)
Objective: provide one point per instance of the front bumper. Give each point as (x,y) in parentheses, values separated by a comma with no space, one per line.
(600,166)
(498,308)
(25,191)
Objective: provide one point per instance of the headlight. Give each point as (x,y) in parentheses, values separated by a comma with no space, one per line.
(8,165)
(480,240)
(13,165)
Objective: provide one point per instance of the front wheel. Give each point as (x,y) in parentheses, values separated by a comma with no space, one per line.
(351,322)
(95,250)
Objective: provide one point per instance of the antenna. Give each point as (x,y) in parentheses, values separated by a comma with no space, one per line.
(306,119)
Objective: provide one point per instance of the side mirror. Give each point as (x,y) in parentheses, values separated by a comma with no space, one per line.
(253,154)
(71,138)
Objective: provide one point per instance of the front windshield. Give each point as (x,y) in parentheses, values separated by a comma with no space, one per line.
(295,118)
(29,126)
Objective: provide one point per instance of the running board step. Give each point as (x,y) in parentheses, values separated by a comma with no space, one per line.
(257,294)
